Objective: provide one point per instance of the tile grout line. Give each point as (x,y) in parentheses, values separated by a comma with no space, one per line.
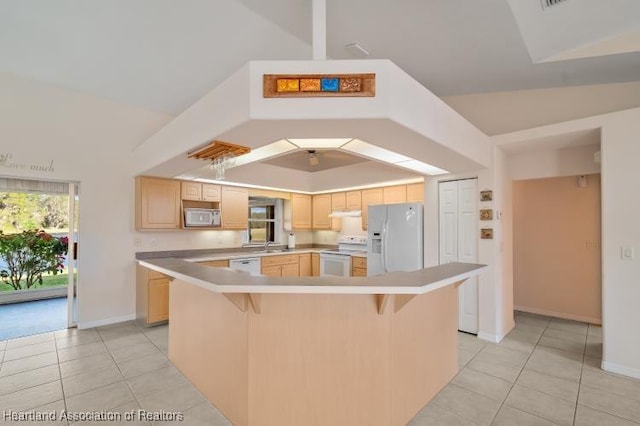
(519,374)
(604,390)
(451,382)
(575,411)
(64,397)
(126,381)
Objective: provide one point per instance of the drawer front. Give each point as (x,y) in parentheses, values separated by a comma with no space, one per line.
(279,260)
(358,272)
(359,262)
(216,263)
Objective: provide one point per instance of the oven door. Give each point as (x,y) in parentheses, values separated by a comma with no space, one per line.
(335,265)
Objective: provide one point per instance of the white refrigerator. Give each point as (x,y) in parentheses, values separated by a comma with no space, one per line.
(395,238)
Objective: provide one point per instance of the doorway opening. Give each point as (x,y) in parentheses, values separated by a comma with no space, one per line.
(557,267)
(38,262)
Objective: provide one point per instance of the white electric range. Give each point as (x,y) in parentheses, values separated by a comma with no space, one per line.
(337,262)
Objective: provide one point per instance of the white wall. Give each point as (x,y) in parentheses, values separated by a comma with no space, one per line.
(89,141)
(495,294)
(543,163)
(620,228)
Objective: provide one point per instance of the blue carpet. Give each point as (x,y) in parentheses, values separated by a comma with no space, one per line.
(27,318)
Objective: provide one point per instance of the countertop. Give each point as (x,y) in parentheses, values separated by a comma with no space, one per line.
(222,280)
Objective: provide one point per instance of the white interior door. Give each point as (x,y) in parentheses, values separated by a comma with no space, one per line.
(468,253)
(448,207)
(459,242)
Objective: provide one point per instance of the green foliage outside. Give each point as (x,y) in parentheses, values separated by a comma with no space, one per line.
(28,255)
(48,280)
(20,211)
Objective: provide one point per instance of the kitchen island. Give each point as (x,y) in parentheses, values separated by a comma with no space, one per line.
(314,351)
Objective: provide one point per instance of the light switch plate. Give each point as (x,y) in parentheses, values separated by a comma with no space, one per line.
(628,253)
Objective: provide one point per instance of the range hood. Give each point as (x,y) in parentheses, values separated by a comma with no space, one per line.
(346,213)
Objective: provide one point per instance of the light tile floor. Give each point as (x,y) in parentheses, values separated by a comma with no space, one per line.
(118,369)
(545,372)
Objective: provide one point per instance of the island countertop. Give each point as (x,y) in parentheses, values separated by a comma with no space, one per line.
(224,280)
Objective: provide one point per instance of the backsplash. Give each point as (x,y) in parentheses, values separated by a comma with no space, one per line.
(218,239)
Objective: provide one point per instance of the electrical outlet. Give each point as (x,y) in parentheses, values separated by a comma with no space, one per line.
(153,241)
(137,242)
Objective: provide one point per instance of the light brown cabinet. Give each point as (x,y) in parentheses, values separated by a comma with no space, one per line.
(157,203)
(370,197)
(280,266)
(215,263)
(234,206)
(415,193)
(196,191)
(300,211)
(354,200)
(394,194)
(338,202)
(152,296)
(304,264)
(358,266)
(321,210)
(315,264)
(291,270)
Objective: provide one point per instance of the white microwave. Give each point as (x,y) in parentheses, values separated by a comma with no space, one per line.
(201,217)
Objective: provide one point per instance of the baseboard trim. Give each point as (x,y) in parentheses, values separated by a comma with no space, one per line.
(621,369)
(107,321)
(581,318)
(493,338)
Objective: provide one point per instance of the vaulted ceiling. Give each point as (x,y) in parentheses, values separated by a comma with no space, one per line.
(163,55)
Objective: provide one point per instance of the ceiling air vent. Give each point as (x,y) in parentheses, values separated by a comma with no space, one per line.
(550,3)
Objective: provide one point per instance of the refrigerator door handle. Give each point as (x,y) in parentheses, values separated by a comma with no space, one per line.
(385,230)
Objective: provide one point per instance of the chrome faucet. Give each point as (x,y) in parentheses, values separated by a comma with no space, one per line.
(266,245)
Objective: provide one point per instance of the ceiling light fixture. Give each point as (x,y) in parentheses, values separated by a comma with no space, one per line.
(313,158)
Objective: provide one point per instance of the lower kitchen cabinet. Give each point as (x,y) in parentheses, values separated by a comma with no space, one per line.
(358,266)
(291,270)
(304,264)
(215,263)
(315,264)
(152,296)
(280,266)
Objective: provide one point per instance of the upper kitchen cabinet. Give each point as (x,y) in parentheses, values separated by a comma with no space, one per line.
(370,197)
(321,210)
(234,207)
(300,211)
(338,202)
(195,191)
(415,193)
(211,192)
(157,203)
(354,200)
(394,194)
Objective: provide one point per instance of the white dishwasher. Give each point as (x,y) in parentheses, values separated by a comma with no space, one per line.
(248,264)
